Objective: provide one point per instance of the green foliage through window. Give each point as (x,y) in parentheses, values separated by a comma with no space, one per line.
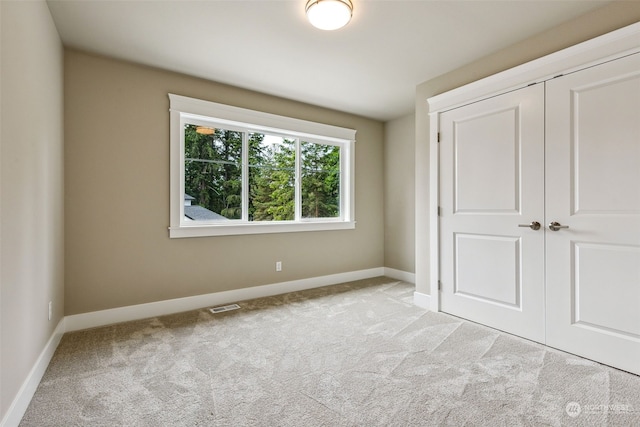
(320,180)
(214,171)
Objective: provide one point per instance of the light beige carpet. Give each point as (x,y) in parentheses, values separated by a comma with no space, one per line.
(356,354)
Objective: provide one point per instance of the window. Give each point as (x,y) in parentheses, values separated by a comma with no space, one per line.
(238,171)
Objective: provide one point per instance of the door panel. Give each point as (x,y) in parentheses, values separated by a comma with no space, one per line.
(593,186)
(487,268)
(491,181)
(605,121)
(593,305)
(479,189)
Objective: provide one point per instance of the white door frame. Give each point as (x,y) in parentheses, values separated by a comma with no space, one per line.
(610,46)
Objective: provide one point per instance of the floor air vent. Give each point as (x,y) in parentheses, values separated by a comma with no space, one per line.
(224,308)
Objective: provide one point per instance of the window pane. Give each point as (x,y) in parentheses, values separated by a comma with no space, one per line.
(213,174)
(272,168)
(320,180)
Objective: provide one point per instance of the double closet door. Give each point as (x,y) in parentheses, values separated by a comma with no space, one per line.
(540,212)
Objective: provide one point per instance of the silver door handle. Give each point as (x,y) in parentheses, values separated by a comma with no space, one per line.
(555,226)
(535,225)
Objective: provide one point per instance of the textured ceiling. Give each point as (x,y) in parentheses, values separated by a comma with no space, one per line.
(370,67)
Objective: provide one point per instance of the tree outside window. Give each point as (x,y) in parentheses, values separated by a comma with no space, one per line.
(214,171)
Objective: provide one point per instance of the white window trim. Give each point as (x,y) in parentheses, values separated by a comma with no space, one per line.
(182,108)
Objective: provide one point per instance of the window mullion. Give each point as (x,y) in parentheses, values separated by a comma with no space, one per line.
(245,176)
(181,173)
(298,182)
(345,182)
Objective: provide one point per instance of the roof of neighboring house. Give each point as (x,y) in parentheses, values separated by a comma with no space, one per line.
(188,197)
(198,213)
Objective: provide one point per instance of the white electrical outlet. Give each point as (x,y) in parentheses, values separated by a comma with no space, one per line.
(50,309)
(278,265)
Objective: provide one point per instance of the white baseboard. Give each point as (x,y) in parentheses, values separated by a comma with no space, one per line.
(25,394)
(422,300)
(405,276)
(160,308)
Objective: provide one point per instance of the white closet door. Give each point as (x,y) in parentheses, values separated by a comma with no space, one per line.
(593,187)
(491,182)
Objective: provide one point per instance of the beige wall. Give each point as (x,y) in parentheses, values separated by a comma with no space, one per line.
(118,251)
(31,197)
(611,17)
(399,194)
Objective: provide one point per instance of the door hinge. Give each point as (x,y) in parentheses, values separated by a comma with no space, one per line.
(439,285)
(438,136)
(439,211)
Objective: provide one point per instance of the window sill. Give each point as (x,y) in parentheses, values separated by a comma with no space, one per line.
(207,230)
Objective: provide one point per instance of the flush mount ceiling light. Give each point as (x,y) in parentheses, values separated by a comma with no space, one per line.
(205,130)
(329,14)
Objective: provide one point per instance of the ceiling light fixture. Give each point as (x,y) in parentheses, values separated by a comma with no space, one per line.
(329,14)
(203,130)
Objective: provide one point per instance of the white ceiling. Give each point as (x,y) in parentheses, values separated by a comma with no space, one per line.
(370,68)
